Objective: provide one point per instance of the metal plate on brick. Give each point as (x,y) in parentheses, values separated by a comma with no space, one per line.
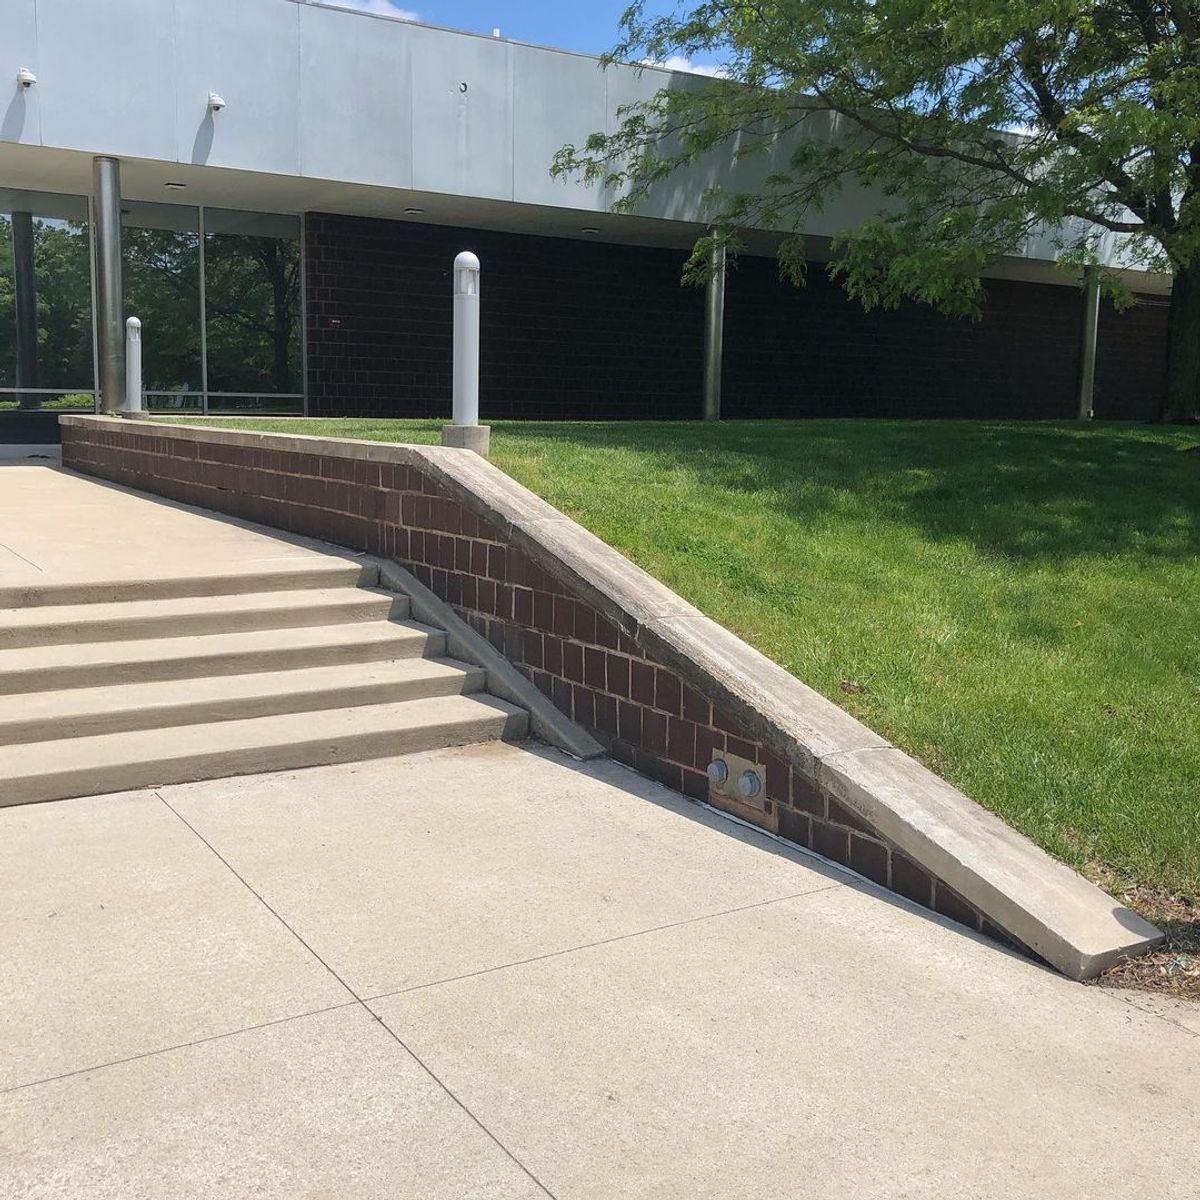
(738,785)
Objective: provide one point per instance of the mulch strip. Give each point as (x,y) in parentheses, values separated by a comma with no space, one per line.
(1174,968)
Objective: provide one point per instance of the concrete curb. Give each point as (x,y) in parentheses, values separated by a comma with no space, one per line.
(1033,898)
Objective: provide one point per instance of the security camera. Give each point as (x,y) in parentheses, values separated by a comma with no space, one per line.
(215,102)
(26,78)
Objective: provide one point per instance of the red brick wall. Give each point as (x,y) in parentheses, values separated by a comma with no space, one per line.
(643,713)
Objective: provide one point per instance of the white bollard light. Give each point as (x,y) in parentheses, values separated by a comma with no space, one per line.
(133,368)
(466,432)
(466,339)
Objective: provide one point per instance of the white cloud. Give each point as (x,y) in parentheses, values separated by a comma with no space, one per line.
(677,62)
(382,8)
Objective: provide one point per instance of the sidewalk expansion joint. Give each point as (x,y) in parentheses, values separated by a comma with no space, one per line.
(18,554)
(212,1037)
(620,937)
(357,999)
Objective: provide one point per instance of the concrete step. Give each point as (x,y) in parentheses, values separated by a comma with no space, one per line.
(277,576)
(189,616)
(97,664)
(87,712)
(88,766)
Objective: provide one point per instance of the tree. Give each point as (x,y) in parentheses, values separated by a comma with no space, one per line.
(978,123)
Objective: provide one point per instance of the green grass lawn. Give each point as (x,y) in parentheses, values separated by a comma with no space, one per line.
(1020,603)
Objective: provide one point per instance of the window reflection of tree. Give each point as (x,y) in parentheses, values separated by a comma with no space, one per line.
(162,288)
(63,306)
(252,303)
(252,296)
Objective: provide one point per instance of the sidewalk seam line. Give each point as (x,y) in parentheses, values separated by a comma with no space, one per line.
(357,999)
(1127,995)
(620,937)
(212,1037)
(28,561)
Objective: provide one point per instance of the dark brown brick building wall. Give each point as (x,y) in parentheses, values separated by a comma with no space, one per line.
(1131,360)
(570,329)
(813,351)
(640,710)
(576,329)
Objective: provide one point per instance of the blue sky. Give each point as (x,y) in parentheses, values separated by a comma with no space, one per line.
(587,25)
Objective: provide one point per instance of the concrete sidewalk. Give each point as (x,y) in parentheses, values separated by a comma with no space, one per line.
(59,526)
(494,972)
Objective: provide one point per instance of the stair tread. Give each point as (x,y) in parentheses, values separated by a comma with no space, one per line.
(232,578)
(158,649)
(34,760)
(167,693)
(183,607)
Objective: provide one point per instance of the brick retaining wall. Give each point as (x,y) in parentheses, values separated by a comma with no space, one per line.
(640,710)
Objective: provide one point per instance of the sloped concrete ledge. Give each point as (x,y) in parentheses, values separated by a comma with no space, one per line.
(1054,911)
(1035,900)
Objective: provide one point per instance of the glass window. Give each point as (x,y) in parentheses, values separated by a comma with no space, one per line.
(45,301)
(217,292)
(252,306)
(160,246)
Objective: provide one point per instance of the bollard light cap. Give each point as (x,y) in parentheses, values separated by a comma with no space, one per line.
(466,274)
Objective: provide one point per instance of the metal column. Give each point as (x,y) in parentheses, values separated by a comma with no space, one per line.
(1091,325)
(714,333)
(110,317)
(202,251)
(25,286)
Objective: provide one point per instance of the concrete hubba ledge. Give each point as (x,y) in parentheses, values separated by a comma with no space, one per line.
(1020,889)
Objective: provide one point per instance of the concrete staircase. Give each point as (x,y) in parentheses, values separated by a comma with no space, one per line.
(105,688)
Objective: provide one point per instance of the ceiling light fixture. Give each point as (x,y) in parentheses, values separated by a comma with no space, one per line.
(589,229)
(414,212)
